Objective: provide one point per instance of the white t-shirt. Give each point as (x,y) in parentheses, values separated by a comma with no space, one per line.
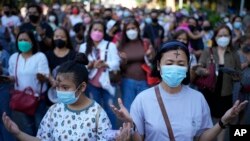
(74,19)
(27,71)
(62,124)
(188,113)
(10,21)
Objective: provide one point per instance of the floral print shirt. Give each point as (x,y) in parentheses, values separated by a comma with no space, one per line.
(63,124)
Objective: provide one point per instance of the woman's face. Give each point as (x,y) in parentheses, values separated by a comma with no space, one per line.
(97,27)
(173,67)
(60,34)
(182,38)
(174,57)
(24,37)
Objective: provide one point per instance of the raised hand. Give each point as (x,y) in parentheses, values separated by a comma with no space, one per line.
(234,111)
(122,113)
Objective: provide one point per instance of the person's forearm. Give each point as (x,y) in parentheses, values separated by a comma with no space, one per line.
(193,36)
(211,133)
(25,137)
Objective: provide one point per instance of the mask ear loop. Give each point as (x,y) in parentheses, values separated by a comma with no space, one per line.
(77,90)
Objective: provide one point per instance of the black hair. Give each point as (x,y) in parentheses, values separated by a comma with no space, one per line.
(108,9)
(39,8)
(238,16)
(155,11)
(196,21)
(68,41)
(89,41)
(1,46)
(180,32)
(168,46)
(77,68)
(78,27)
(30,34)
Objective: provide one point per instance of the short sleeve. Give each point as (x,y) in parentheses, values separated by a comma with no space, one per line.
(12,64)
(43,66)
(103,125)
(137,115)
(206,121)
(45,129)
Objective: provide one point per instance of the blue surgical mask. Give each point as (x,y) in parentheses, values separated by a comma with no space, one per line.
(173,75)
(223,41)
(237,25)
(148,20)
(67,97)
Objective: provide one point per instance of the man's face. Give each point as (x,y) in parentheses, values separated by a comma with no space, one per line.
(107,14)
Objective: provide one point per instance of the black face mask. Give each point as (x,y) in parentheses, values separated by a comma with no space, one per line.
(60,43)
(154,20)
(206,28)
(7,13)
(107,18)
(33,18)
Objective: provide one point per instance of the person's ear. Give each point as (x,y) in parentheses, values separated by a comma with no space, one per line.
(83,87)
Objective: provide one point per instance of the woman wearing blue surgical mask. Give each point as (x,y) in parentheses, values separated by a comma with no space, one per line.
(186,109)
(237,32)
(75,116)
(227,72)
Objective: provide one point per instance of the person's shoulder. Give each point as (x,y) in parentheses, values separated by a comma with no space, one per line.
(56,106)
(3,18)
(112,45)
(192,93)
(39,55)
(14,56)
(146,94)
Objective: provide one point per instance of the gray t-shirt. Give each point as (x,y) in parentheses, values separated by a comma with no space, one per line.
(187,110)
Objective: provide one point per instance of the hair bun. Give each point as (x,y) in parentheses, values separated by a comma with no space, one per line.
(81,58)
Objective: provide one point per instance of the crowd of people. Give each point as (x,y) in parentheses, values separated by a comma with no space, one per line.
(79,62)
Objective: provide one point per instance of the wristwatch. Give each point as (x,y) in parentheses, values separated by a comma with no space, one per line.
(133,130)
(222,125)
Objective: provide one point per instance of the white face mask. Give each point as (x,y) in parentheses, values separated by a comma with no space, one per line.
(223,41)
(52,18)
(132,34)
